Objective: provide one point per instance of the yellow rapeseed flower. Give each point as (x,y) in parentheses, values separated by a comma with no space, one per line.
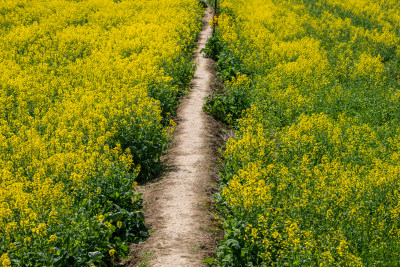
(112,252)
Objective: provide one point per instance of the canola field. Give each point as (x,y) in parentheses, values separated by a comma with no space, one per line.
(87,88)
(312,176)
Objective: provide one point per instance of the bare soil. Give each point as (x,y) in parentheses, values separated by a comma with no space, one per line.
(177,206)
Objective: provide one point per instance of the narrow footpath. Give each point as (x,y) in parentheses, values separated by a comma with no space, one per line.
(177,205)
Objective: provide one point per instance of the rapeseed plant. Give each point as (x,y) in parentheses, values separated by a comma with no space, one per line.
(86,90)
(312,174)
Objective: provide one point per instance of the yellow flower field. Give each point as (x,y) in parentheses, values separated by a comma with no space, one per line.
(86,93)
(312,176)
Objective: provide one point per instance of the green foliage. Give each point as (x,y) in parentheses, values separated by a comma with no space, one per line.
(203,3)
(228,104)
(213,47)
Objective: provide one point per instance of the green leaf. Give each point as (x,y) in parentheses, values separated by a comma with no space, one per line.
(96,255)
(209,260)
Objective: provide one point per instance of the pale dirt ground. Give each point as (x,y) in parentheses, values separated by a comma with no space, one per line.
(177,206)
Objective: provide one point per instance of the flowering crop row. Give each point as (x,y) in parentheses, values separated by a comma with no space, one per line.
(86,91)
(312,176)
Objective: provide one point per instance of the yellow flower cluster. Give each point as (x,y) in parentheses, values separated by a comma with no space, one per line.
(5,260)
(112,252)
(85,89)
(312,176)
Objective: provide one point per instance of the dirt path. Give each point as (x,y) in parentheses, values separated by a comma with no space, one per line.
(176,206)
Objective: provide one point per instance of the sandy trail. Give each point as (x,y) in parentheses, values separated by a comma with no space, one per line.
(176,206)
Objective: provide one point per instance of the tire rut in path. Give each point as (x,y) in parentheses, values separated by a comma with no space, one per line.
(176,207)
